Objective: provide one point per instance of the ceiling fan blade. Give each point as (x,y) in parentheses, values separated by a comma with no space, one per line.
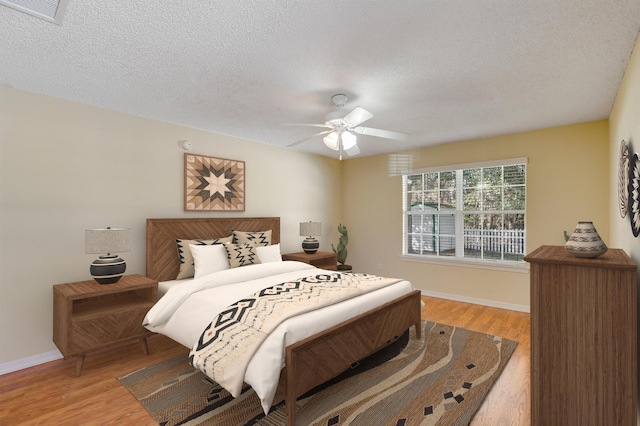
(310,137)
(387,134)
(357,116)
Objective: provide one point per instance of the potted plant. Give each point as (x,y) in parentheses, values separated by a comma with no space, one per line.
(341,250)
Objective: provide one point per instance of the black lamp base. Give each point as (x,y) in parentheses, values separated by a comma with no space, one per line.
(108,269)
(310,245)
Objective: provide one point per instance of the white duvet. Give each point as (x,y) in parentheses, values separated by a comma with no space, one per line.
(186,309)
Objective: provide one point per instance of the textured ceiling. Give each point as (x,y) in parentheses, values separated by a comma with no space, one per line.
(441,71)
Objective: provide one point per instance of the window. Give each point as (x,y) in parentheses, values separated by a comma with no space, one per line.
(469,212)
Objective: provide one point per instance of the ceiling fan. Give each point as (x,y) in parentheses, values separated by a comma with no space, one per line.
(343,128)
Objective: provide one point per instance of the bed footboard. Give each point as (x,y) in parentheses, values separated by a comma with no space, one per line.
(318,358)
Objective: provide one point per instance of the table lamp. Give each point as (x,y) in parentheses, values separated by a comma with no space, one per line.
(108,268)
(310,229)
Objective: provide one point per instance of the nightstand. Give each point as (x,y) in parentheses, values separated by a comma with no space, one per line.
(88,316)
(320,259)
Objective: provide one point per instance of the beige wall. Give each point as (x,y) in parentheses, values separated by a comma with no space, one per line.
(624,123)
(567,181)
(65,167)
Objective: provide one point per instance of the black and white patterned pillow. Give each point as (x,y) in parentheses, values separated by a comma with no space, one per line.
(241,255)
(262,238)
(187,268)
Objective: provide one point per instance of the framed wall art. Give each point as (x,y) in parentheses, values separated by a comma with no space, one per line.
(213,184)
(634,194)
(623,179)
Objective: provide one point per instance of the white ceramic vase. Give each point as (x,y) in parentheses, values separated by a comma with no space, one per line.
(585,241)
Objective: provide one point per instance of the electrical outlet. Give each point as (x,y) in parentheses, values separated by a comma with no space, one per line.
(379,267)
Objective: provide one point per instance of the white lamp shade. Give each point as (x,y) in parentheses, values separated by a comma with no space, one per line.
(310,229)
(331,141)
(348,140)
(107,240)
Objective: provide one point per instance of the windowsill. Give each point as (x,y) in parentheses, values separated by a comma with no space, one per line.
(520,267)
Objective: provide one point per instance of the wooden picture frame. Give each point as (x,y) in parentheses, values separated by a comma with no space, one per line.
(213,184)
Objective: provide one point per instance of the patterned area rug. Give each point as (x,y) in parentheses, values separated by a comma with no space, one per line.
(440,380)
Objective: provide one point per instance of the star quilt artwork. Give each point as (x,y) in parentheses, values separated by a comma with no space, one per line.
(213,184)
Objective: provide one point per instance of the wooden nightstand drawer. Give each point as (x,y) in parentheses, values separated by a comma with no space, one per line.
(90,333)
(87,335)
(88,316)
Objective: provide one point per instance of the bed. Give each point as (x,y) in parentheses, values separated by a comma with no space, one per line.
(313,353)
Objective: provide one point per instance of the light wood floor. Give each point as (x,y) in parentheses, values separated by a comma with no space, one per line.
(50,394)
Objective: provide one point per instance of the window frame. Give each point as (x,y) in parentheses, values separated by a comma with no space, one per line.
(459,212)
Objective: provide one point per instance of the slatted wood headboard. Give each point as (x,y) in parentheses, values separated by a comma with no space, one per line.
(162,253)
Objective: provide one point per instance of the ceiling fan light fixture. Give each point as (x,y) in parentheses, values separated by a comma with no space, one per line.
(331,141)
(339,100)
(343,128)
(348,140)
(334,115)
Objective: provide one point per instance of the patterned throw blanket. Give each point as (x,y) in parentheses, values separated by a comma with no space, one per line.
(227,345)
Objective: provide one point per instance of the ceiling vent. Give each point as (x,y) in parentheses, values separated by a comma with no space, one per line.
(49,10)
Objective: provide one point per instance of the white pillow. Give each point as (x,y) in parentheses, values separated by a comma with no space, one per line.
(185,257)
(209,259)
(268,254)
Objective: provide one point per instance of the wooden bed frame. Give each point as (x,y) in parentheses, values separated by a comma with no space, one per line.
(162,254)
(316,359)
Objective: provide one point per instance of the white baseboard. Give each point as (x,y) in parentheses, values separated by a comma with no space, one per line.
(475,301)
(21,364)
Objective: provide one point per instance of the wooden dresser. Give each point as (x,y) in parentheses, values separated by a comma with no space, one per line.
(583,338)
